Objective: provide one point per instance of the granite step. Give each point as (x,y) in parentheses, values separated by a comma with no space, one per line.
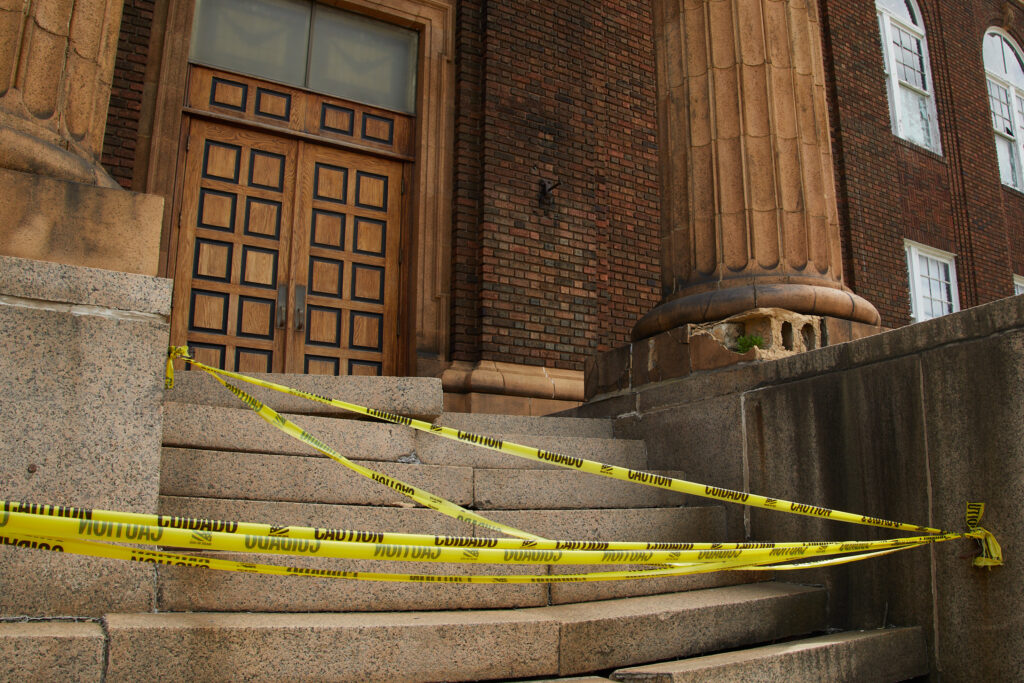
(464,645)
(697,523)
(240,429)
(183,589)
(51,650)
(480,423)
(294,478)
(880,656)
(419,397)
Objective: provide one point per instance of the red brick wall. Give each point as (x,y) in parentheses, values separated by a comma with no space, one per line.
(889,189)
(562,91)
(122,131)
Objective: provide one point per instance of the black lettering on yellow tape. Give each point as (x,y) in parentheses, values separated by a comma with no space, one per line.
(559,459)
(726,494)
(25,543)
(294,546)
(48,510)
(405,552)
(119,531)
(193,524)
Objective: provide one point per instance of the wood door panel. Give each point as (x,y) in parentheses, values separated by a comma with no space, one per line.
(350,223)
(288,250)
(234,246)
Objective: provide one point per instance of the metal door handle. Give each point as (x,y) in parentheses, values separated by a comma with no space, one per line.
(282,306)
(300,307)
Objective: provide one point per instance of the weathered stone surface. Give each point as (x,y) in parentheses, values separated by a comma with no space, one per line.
(885,656)
(500,425)
(418,397)
(565,489)
(77,224)
(414,520)
(59,283)
(642,524)
(410,646)
(41,651)
(79,425)
(437,450)
(295,478)
(562,593)
(197,590)
(240,429)
(613,633)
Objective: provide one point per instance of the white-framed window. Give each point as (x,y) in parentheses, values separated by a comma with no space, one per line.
(1018,285)
(908,75)
(1004,74)
(933,290)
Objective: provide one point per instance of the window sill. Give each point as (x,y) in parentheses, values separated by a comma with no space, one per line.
(914,147)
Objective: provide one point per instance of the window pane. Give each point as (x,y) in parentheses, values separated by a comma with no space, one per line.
(915,117)
(993,54)
(264,38)
(1014,70)
(363,59)
(909,58)
(898,8)
(1009,168)
(999,104)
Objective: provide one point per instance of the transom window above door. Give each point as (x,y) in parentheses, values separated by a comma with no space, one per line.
(311,45)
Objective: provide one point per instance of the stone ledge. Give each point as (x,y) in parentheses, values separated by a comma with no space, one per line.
(78,285)
(78,224)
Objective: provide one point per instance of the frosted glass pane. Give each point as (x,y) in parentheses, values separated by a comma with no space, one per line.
(915,117)
(993,54)
(363,59)
(264,38)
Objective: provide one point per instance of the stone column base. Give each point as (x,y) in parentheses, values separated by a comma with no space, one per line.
(691,348)
(83,225)
(510,389)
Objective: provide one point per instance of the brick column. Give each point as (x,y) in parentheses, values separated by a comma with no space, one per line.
(56,63)
(749,215)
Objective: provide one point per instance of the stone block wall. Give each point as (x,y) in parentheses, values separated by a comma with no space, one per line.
(80,422)
(909,425)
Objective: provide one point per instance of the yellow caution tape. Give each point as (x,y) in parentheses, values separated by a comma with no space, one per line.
(147,534)
(590,466)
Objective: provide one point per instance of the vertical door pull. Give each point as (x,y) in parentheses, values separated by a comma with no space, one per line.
(282,306)
(300,307)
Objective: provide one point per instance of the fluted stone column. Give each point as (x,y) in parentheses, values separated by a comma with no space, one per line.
(56,66)
(749,215)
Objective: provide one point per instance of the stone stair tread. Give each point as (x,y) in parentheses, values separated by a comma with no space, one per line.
(419,397)
(499,425)
(301,479)
(240,429)
(462,645)
(565,489)
(188,589)
(437,450)
(704,523)
(317,479)
(883,655)
(597,635)
(37,650)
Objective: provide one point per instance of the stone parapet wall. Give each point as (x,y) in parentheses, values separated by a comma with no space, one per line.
(908,425)
(80,422)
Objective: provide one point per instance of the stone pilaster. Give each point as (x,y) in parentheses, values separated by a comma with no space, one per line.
(56,65)
(749,215)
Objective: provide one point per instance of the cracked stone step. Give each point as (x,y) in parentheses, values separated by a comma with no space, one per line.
(240,429)
(456,645)
(293,478)
(881,656)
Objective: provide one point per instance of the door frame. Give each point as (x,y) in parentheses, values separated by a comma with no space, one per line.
(426,263)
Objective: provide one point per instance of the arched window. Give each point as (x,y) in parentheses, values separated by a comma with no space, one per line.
(909,78)
(1005,75)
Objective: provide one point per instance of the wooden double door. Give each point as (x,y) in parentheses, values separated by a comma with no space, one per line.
(287,254)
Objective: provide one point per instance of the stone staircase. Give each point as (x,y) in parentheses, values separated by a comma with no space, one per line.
(221,461)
